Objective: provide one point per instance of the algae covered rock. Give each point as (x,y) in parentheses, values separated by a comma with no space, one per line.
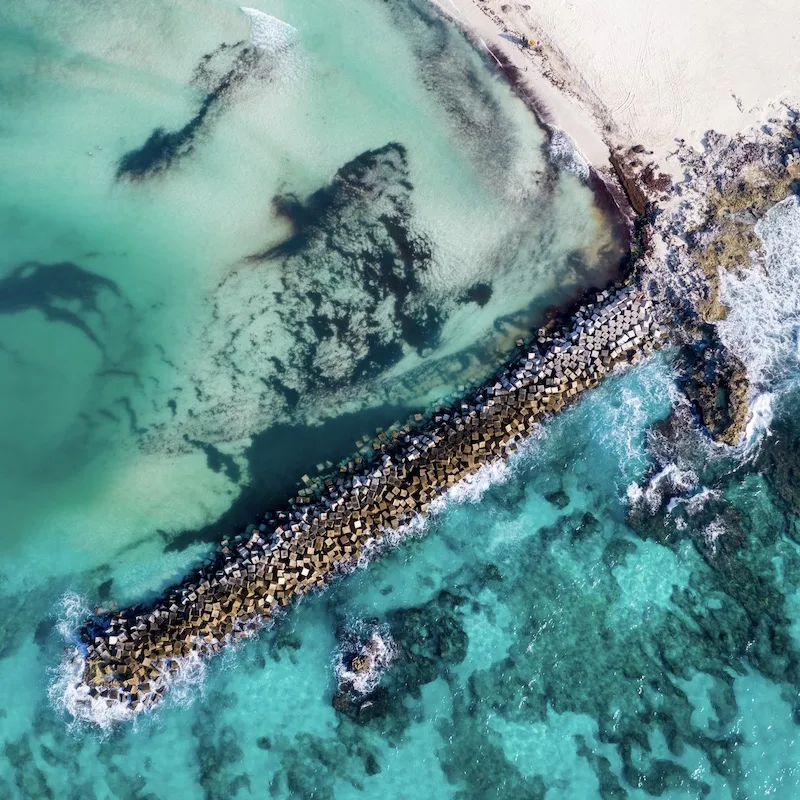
(716,383)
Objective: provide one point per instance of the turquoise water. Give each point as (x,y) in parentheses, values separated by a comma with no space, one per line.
(225,230)
(327,223)
(546,646)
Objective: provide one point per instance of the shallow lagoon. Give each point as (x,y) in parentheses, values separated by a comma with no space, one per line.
(223,228)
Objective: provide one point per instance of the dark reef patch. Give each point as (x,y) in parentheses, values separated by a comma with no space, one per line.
(122,373)
(104,589)
(779,460)
(133,419)
(17,610)
(63,292)
(41,634)
(218,752)
(733,615)
(474,760)
(353,251)
(30,780)
(479,293)
(277,459)
(559,498)
(716,382)
(430,639)
(219,73)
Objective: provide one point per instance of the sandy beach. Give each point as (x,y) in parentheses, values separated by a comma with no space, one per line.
(649,74)
(690,109)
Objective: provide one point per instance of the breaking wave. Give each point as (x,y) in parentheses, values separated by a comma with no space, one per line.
(69,693)
(277,44)
(713,531)
(564,155)
(695,503)
(375,648)
(670,480)
(763,324)
(619,415)
(470,489)
(268,33)
(759,418)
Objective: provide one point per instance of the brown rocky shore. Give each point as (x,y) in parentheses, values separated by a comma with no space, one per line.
(699,229)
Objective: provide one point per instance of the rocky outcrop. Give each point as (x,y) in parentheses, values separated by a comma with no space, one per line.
(715,381)
(707,227)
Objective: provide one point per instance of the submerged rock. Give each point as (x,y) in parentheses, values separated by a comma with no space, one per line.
(365,654)
(560,499)
(779,461)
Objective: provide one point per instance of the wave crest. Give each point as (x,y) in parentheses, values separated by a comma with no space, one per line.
(565,155)
(671,480)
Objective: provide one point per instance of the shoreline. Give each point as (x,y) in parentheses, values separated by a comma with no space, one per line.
(565,80)
(552,107)
(557,112)
(652,76)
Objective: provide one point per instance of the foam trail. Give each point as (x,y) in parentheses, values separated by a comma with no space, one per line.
(713,531)
(695,503)
(759,418)
(268,33)
(74,610)
(670,480)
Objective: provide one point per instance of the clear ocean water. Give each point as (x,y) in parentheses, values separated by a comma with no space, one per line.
(238,240)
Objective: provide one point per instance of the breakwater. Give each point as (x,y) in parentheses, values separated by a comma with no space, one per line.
(131,655)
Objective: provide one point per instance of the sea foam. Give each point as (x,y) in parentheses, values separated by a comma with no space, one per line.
(762,326)
(374,642)
(269,33)
(670,480)
(565,155)
(469,490)
(759,418)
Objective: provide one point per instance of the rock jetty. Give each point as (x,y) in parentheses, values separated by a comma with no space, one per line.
(131,655)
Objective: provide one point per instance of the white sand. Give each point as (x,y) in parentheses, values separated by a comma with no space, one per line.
(563,111)
(650,71)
